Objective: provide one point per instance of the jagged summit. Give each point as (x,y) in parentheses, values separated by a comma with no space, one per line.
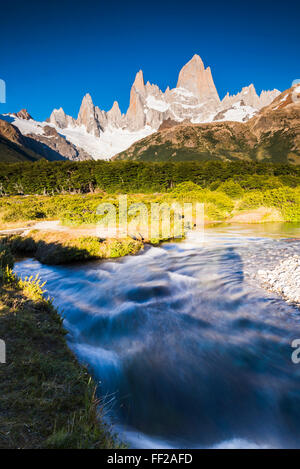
(194,99)
(87,116)
(23,114)
(198,80)
(138,83)
(60,119)
(250,97)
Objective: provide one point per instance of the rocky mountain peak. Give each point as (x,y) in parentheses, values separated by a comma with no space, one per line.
(60,119)
(87,116)
(138,83)
(195,78)
(87,100)
(23,114)
(115,108)
(114,115)
(249,97)
(196,59)
(135,114)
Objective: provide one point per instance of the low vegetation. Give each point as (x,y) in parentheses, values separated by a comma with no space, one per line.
(222,199)
(237,192)
(60,248)
(47,400)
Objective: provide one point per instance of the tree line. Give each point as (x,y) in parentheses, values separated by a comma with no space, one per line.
(61,177)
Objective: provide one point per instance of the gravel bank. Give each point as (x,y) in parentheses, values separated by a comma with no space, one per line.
(284,279)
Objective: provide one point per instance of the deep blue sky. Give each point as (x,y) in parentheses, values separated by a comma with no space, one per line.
(53,52)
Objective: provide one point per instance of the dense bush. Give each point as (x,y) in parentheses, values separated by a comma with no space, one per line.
(185,187)
(285,199)
(231,188)
(60,177)
(79,188)
(6,258)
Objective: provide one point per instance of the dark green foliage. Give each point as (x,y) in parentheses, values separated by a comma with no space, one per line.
(231,188)
(61,177)
(6,258)
(6,262)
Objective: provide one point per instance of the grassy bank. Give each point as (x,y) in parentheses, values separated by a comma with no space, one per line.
(222,201)
(253,200)
(221,204)
(60,247)
(47,400)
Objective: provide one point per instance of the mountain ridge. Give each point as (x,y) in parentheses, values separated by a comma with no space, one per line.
(100,134)
(195,99)
(271,135)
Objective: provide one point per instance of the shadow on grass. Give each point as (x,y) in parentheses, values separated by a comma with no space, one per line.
(49,249)
(52,253)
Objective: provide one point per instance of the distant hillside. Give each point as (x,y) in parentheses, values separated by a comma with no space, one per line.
(12,147)
(272,135)
(36,140)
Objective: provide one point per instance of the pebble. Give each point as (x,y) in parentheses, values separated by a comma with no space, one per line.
(284,279)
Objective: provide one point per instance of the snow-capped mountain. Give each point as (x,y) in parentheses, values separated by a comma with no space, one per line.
(102,134)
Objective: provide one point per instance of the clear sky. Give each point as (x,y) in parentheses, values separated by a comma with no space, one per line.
(53,52)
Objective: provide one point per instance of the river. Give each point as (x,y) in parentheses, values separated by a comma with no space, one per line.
(186,347)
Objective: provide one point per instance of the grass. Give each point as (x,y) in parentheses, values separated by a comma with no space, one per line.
(250,199)
(47,399)
(60,247)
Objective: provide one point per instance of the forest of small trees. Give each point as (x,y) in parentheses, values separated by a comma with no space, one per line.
(49,178)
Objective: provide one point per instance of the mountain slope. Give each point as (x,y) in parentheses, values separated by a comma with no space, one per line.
(272,135)
(40,138)
(12,145)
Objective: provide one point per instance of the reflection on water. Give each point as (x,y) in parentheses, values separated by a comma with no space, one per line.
(191,353)
(274,229)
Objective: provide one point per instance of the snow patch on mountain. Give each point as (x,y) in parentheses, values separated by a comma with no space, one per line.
(238,113)
(157,104)
(111,141)
(183,92)
(27,127)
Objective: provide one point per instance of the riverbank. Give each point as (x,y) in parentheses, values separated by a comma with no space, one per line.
(284,279)
(261,201)
(47,399)
(59,248)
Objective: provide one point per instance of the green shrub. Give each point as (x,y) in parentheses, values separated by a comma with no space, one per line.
(232,189)
(185,187)
(33,287)
(252,200)
(6,258)
(285,199)
(260,182)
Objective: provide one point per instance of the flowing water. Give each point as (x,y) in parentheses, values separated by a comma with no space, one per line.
(187,349)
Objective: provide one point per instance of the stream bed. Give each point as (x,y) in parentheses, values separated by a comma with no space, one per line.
(186,347)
